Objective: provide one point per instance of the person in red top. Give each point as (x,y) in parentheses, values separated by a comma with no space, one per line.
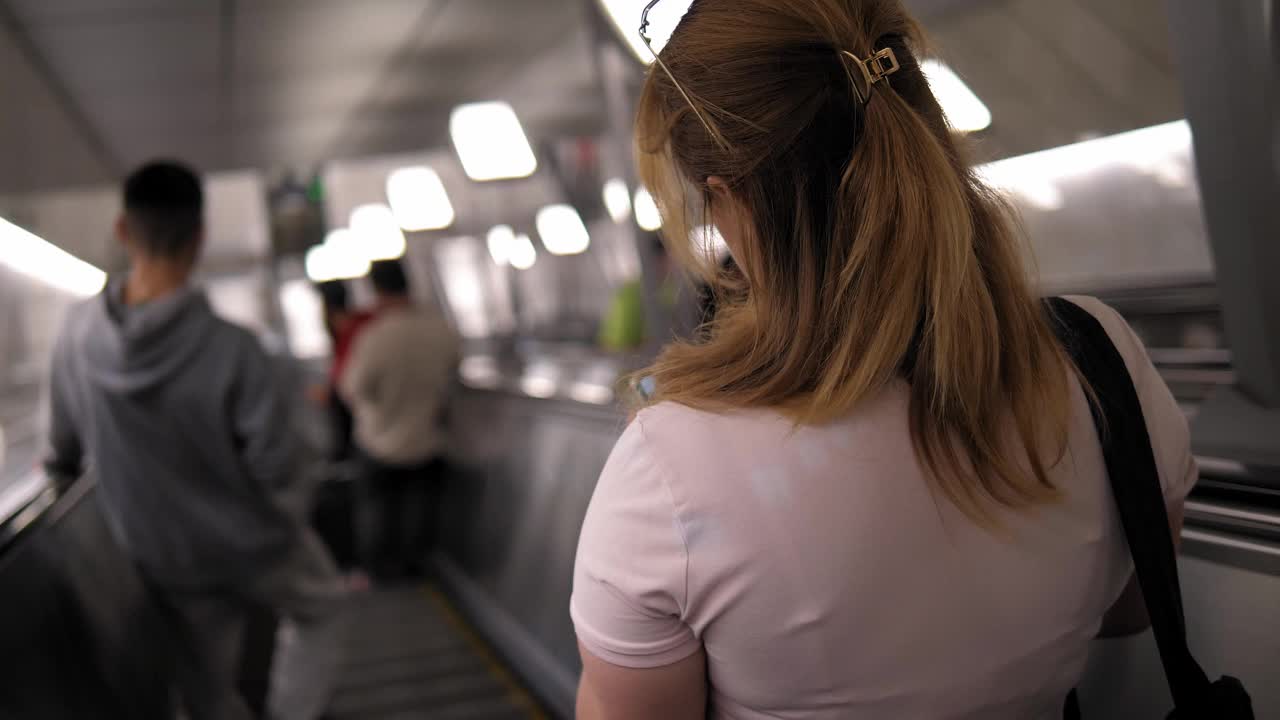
(343,324)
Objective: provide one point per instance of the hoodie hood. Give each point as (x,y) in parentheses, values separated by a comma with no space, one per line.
(135,347)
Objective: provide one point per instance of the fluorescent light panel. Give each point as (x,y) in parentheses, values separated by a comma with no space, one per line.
(501,241)
(964,111)
(28,254)
(523,254)
(647,215)
(663,19)
(418,199)
(562,230)
(491,142)
(339,258)
(377,232)
(617,200)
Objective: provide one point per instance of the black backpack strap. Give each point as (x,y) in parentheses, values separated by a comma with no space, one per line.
(1135,484)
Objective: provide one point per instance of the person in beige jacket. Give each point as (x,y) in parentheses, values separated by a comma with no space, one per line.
(397,382)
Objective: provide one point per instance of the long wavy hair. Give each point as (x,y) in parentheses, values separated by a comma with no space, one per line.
(871,250)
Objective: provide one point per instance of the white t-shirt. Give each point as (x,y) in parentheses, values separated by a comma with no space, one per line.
(397,380)
(826,580)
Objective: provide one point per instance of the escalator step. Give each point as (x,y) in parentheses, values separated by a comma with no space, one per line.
(411,656)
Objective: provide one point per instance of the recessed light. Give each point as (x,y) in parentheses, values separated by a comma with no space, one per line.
(491,142)
(418,199)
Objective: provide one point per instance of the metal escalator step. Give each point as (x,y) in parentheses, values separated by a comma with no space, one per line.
(423,669)
(429,698)
(409,655)
(493,709)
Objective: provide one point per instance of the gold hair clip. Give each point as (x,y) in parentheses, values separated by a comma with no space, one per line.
(874,69)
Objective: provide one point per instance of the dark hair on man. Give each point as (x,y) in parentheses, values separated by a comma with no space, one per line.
(388,278)
(334,294)
(164,203)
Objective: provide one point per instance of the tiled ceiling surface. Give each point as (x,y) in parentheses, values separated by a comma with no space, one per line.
(90,87)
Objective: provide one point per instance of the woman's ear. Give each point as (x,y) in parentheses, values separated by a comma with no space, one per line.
(718,186)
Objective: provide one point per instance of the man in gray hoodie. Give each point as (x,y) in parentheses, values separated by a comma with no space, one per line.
(184,423)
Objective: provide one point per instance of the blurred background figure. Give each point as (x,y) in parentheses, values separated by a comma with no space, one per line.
(342,323)
(681,307)
(398,380)
(183,419)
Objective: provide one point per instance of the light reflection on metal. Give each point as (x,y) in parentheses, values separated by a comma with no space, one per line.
(480,371)
(26,253)
(303,311)
(1161,152)
(539,387)
(541,379)
(591,393)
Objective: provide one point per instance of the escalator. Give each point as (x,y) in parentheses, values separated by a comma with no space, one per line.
(1233,514)
(88,643)
(411,655)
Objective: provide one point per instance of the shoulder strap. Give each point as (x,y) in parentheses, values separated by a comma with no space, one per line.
(1135,484)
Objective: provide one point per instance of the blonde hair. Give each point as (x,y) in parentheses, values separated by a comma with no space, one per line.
(873,252)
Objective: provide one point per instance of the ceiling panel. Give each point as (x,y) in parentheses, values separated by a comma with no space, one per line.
(1140,92)
(143,60)
(41,145)
(1143,24)
(284,40)
(1054,73)
(272,83)
(115,11)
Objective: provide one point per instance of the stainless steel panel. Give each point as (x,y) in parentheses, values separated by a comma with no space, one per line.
(1231,623)
(77,631)
(525,471)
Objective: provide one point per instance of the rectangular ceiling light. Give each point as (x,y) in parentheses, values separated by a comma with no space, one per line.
(418,199)
(523,254)
(33,256)
(339,258)
(663,19)
(501,240)
(965,112)
(491,142)
(377,232)
(562,230)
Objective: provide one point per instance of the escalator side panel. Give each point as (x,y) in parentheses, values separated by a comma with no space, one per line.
(76,628)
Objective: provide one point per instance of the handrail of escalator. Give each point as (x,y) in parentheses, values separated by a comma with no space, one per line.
(35,501)
(1183,356)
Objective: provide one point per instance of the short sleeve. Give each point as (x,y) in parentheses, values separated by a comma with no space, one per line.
(631,575)
(1166,422)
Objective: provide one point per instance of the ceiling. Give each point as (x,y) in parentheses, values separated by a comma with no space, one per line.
(92,87)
